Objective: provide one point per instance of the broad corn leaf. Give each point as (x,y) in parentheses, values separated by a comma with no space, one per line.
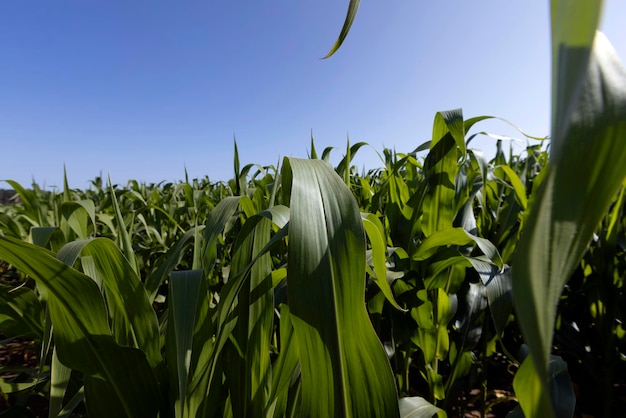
(184,294)
(78,214)
(440,169)
(417,407)
(118,380)
(587,166)
(126,296)
(454,236)
(342,361)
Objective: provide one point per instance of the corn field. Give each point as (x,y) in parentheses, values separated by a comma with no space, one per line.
(316,290)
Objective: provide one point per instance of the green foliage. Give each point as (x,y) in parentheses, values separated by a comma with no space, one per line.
(587,167)
(318,291)
(300,280)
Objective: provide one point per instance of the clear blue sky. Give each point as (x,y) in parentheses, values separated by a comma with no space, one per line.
(143,89)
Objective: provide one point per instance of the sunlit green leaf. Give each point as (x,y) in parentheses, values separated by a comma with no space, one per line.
(587,166)
(341,359)
(352,9)
(418,407)
(379,250)
(119,380)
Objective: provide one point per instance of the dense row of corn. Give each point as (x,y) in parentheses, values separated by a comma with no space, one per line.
(218,286)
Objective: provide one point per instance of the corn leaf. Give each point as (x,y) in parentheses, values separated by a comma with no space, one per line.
(587,166)
(342,361)
(255,310)
(215,225)
(375,234)
(347,24)
(20,313)
(173,258)
(126,295)
(78,214)
(441,168)
(59,379)
(124,236)
(285,366)
(184,295)
(119,380)
(418,407)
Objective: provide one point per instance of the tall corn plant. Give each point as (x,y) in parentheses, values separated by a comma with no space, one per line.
(587,166)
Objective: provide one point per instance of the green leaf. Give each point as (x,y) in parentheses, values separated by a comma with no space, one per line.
(418,407)
(587,166)
(373,228)
(172,258)
(76,400)
(20,313)
(352,9)
(343,168)
(124,236)
(470,323)
(528,388)
(184,294)
(10,227)
(32,208)
(499,294)
(341,358)
(313,155)
(59,379)
(249,374)
(454,236)
(16,387)
(440,168)
(119,380)
(216,222)
(226,321)
(526,385)
(285,365)
(78,214)
(516,183)
(125,294)
(47,236)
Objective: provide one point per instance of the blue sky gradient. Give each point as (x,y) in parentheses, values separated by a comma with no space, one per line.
(144,89)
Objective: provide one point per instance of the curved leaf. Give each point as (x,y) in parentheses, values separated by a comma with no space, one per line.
(440,168)
(587,166)
(119,380)
(126,296)
(418,407)
(343,363)
(373,228)
(347,24)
